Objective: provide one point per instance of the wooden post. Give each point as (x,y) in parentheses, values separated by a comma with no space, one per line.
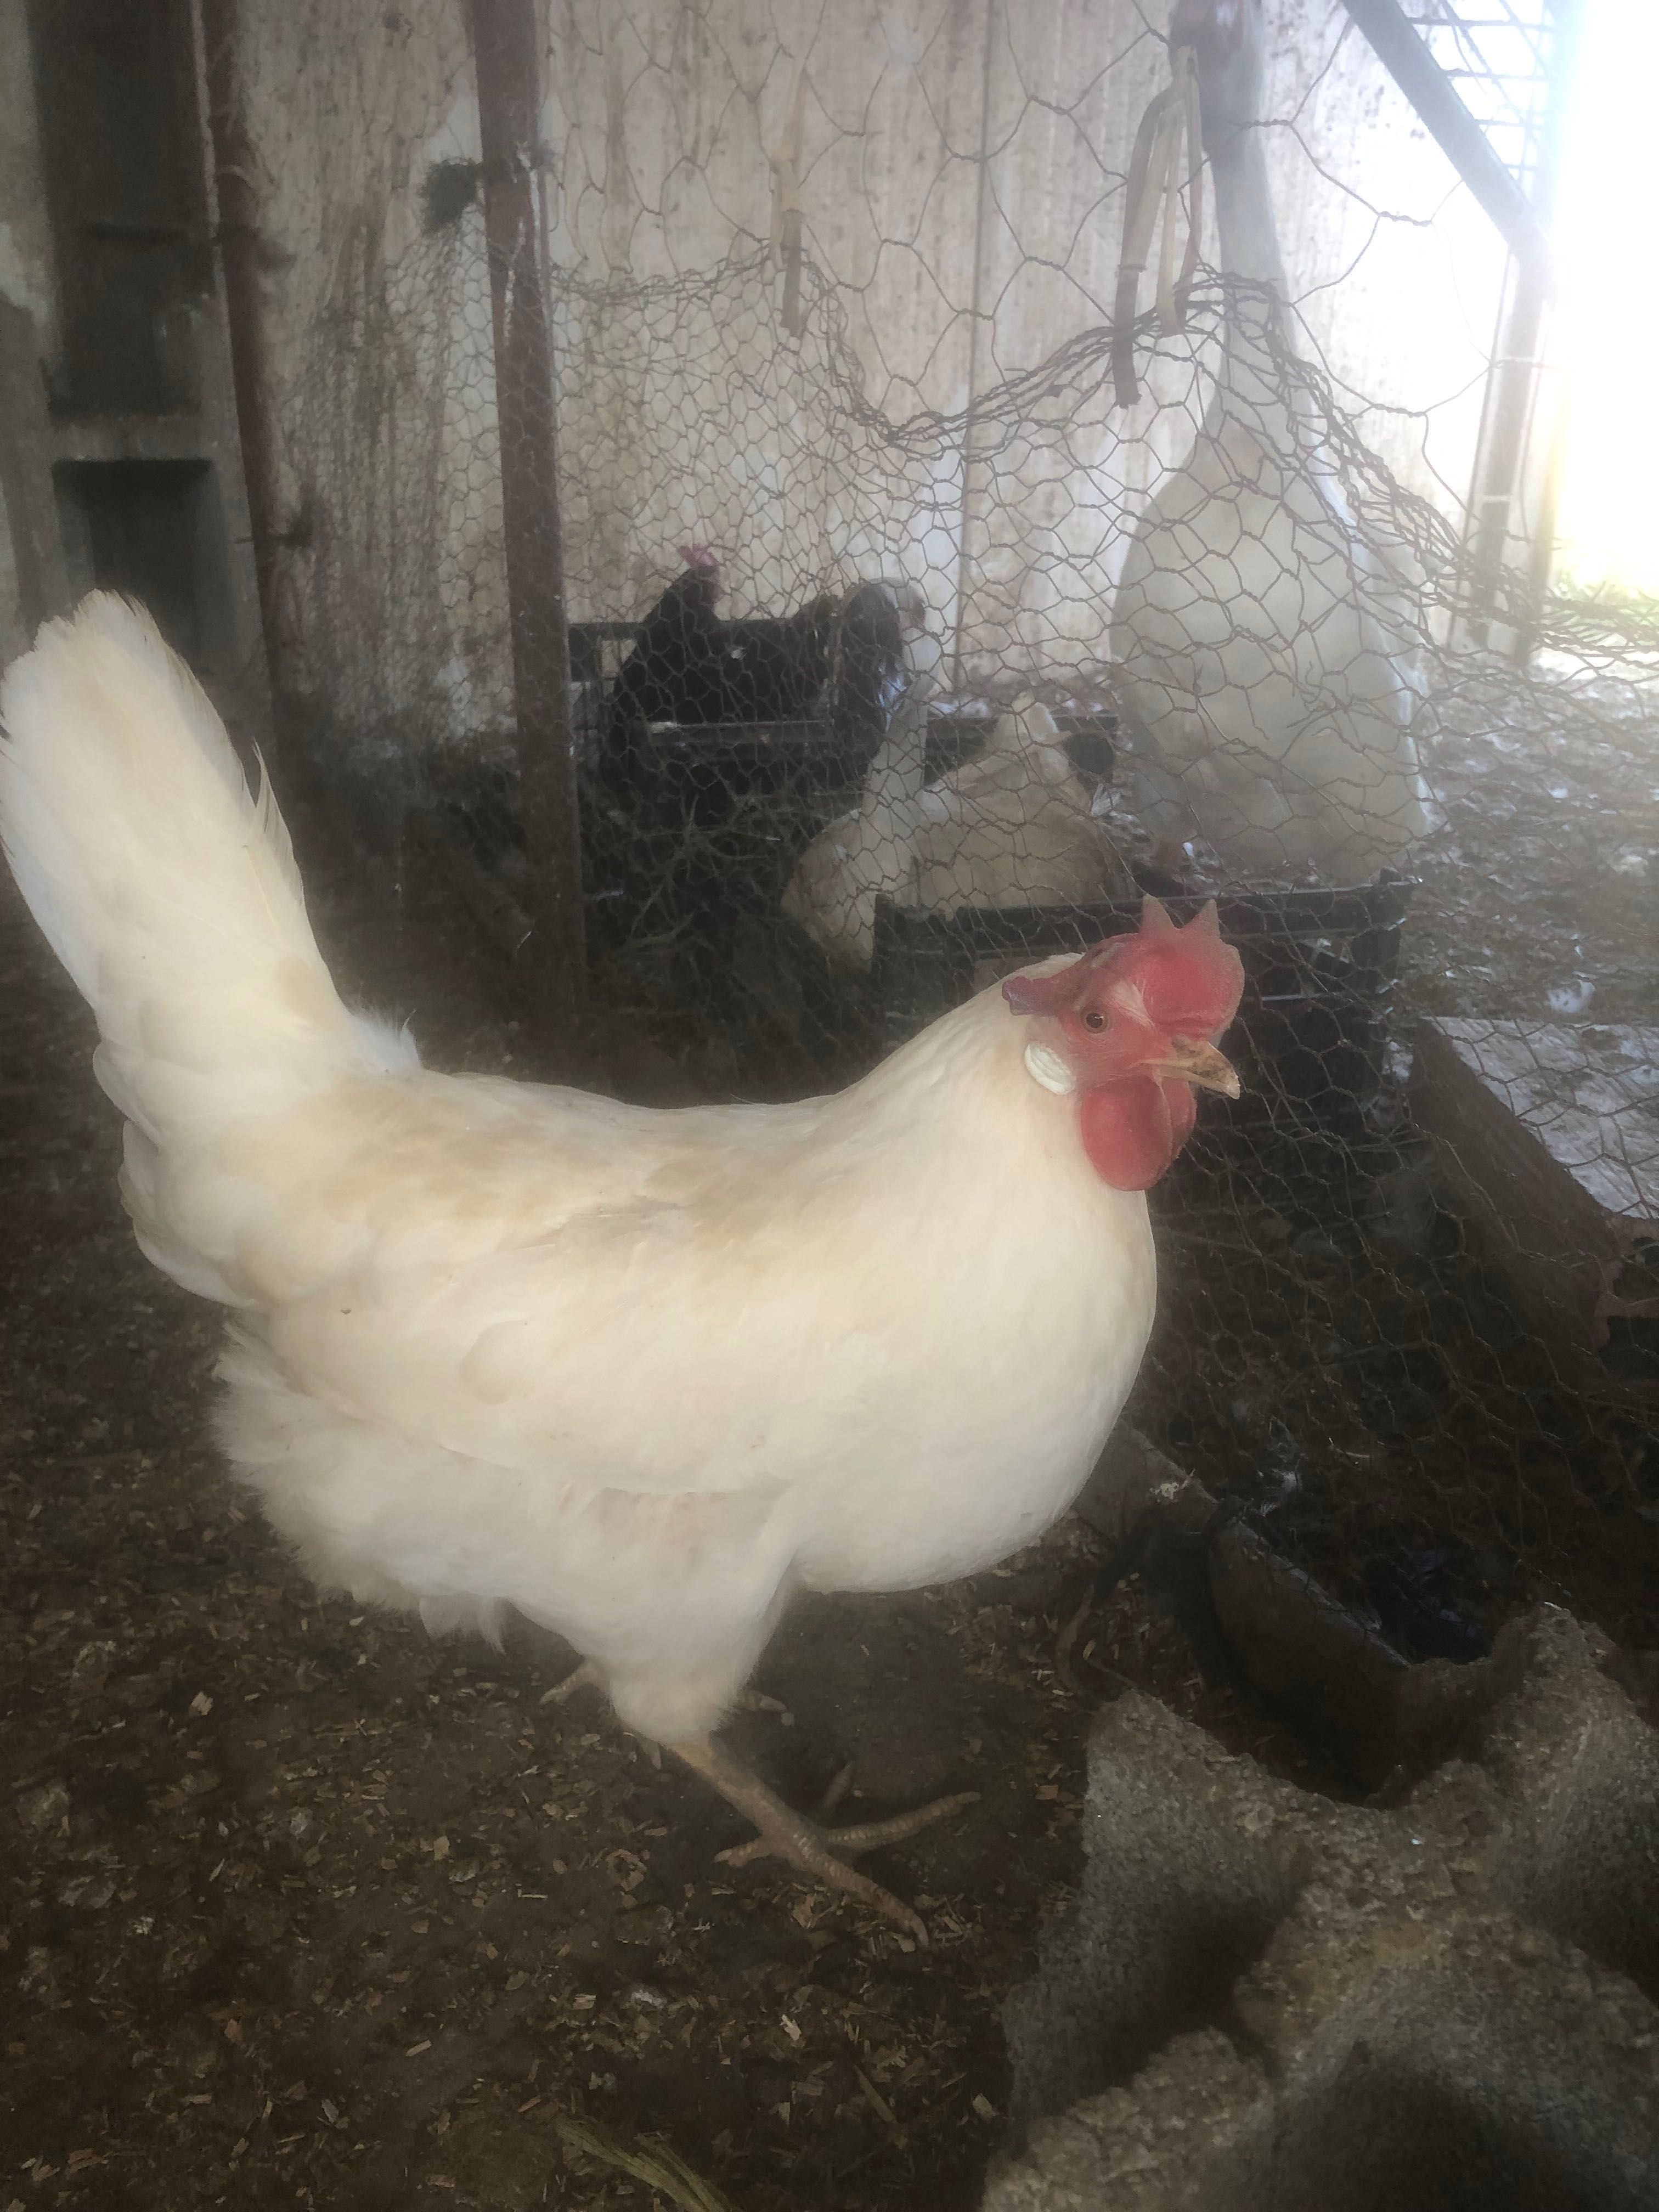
(237,198)
(31,508)
(505,46)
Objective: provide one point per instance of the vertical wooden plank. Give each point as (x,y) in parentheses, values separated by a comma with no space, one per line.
(235,169)
(25,488)
(507,47)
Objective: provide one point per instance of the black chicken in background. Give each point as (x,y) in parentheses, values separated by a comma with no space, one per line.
(714,754)
(690,668)
(691,731)
(673,672)
(775,665)
(725,746)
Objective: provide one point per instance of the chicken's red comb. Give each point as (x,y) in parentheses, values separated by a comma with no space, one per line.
(1194,968)
(698,556)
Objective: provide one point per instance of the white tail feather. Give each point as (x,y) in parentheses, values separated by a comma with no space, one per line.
(169,892)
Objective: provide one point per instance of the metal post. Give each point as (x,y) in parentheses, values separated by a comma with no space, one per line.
(1509,535)
(1502,535)
(506,45)
(979,352)
(1440,107)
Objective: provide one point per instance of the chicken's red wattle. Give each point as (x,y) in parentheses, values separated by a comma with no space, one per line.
(1133,1130)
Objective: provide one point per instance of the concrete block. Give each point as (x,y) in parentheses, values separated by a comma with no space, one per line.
(1268,2001)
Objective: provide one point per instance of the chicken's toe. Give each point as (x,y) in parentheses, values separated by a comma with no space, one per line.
(810,1848)
(865,1836)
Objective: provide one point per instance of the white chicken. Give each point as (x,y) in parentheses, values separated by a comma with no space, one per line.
(1267,646)
(1013,827)
(639,1374)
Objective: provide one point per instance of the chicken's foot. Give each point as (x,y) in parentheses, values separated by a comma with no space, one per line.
(803,1843)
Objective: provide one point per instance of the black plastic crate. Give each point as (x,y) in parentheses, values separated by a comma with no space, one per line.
(813,754)
(687,770)
(1320,966)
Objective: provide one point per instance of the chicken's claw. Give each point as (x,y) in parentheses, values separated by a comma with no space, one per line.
(804,1844)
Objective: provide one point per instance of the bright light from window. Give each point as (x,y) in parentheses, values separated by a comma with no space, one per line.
(1609,521)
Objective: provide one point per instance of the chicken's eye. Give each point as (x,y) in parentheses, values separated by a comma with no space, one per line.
(1094,1019)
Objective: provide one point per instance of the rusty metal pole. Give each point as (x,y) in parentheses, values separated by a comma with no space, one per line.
(507,49)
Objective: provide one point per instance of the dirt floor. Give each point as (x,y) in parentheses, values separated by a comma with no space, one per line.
(304,1909)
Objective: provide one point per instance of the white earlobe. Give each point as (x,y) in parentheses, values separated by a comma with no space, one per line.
(1044,1065)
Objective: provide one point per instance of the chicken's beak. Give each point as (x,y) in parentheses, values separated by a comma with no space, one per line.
(1185,1062)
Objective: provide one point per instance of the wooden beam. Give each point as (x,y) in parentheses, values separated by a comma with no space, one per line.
(507,48)
(1544,1138)
(1440,108)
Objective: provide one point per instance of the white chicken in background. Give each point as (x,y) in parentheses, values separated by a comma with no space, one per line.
(1266,648)
(1013,827)
(639,1374)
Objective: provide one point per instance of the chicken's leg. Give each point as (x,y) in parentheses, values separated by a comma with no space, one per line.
(589,1676)
(809,1848)
(585,1677)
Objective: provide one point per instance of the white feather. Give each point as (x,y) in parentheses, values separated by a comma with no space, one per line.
(169,892)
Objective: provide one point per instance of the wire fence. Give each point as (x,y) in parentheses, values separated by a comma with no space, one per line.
(906,646)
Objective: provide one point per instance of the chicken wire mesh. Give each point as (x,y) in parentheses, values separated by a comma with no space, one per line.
(907,645)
